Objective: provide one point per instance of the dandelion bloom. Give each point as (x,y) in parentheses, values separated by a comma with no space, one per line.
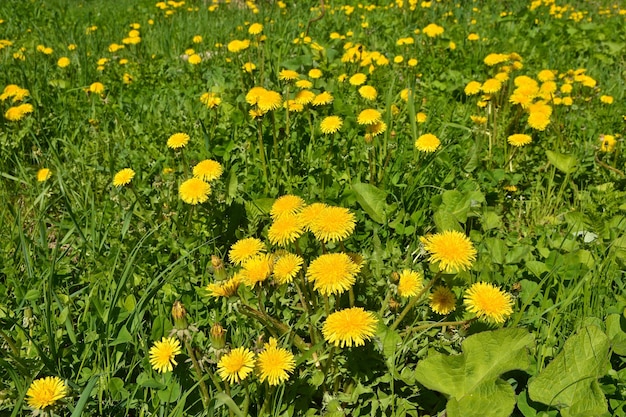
(495,59)
(63,62)
(410,284)
(606,99)
(96,88)
(304,84)
(162,354)
(255,29)
(257,269)
(177,140)
(539,120)
(285,205)
(15,92)
(236,365)
(545,75)
(194,191)
(427,143)
(322,99)
(488,302)
(351,326)
(452,250)
(310,213)
(43,174)
(269,100)
(473,37)
(237,45)
(491,86)
(211,100)
(274,363)
(16,113)
(285,229)
(519,139)
(288,75)
(368,92)
(248,67)
(254,94)
(287,267)
(608,143)
(315,73)
(208,170)
(376,129)
(433,30)
(369,117)
(442,301)
(123,177)
(245,249)
(472,88)
(44,392)
(479,120)
(225,288)
(421,117)
(358,79)
(197,39)
(332,273)
(194,59)
(331,124)
(333,224)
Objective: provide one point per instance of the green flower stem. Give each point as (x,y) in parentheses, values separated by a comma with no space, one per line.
(414,301)
(268,396)
(227,390)
(384,305)
(328,364)
(203,389)
(351,296)
(246,401)
(277,325)
(427,326)
(262,152)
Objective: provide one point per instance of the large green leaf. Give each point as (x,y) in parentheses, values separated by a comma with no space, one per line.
(372,200)
(570,381)
(564,163)
(471,380)
(616,330)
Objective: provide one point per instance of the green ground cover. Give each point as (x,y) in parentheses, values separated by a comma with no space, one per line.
(312,208)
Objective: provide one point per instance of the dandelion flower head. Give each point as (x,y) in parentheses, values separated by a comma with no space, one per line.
(245,249)
(177,140)
(332,273)
(285,229)
(257,269)
(287,267)
(194,191)
(286,204)
(427,143)
(123,177)
(162,354)
(433,30)
(348,327)
(274,363)
(452,250)
(442,301)
(331,124)
(333,224)
(368,92)
(44,392)
(208,170)
(43,174)
(488,302)
(358,79)
(236,365)
(519,140)
(410,283)
(322,99)
(369,117)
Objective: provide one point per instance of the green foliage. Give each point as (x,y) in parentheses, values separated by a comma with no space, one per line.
(471,381)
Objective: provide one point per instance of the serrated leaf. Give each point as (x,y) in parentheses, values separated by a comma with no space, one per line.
(471,380)
(372,200)
(564,163)
(570,381)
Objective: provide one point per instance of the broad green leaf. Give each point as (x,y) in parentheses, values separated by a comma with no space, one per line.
(616,331)
(564,163)
(570,381)
(372,200)
(471,380)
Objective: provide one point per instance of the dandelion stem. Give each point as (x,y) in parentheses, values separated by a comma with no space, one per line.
(271,321)
(427,326)
(262,152)
(203,389)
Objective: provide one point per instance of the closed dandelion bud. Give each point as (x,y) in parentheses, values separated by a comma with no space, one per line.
(393,304)
(218,268)
(395,277)
(179,314)
(368,138)
(218,336)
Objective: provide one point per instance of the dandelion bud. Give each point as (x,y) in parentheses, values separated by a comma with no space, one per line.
(393,304)
(218,268)
(368,138)
(179,314)
(218,336)
(395,277)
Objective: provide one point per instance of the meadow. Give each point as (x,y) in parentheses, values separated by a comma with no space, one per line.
(273,208)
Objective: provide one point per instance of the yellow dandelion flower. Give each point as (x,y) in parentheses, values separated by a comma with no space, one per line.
(274,364)
(608,143)
(376,129)
(606,99)
(332,273)
(495,59)
(427,143)
(304,97)
(479,120)
(96,88)
(351,326)
(236,365)
(331,124)
(566,88)
(225,288)
(491,86)
(123,177)
(45,392)
(442,301)
(315,73)
(433,30)
(519,139)
(244,249)
(211,100)
(488,302)
(546,75)
(358,79)
(197,39)
(255,29)
(305,84)
(238,45)
(208,170)
(254,94)
(257,269)
(332,224)
(322,99)
(410,283)
(287,267)
(309,214)
(63,62)
(248,67)
(473,37)
(473,88)
(539,120)
(293,106)
(194,191)
(421,117)
(369,117)
(285,230)
(452,250)
(162,354)
(269,100)
(368,92)
(194,59)
(43,174)
(177,140)
(288,75)
(285,205)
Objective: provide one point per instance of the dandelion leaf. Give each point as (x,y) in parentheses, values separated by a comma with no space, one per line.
(570,381)
(372,200)
(616,330)
(471,380)
(564,163)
